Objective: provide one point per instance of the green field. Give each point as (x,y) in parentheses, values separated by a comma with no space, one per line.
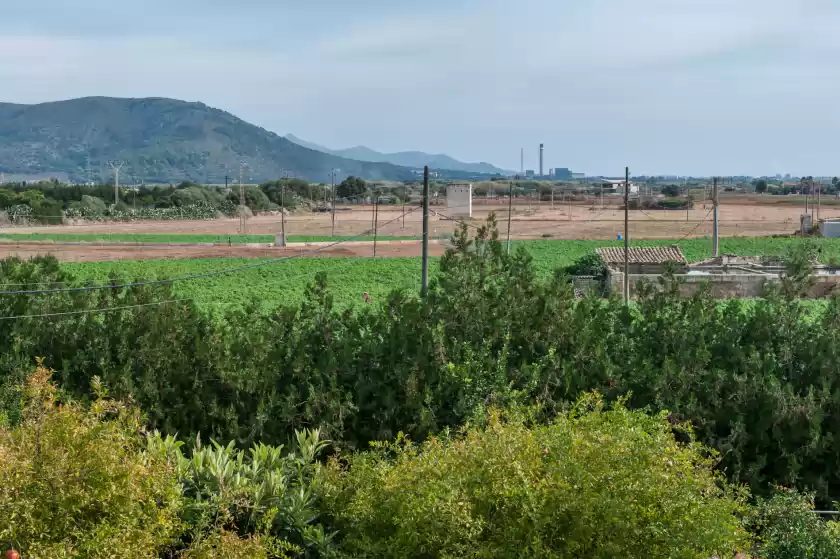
(182,238)
(349,278)
(274,283)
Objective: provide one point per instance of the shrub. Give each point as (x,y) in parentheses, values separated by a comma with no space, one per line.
(74,482)
(263,492)
(93,204)
(593,483)
(789,529)
(588,265)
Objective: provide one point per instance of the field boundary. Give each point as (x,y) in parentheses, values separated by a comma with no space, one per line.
(47,242)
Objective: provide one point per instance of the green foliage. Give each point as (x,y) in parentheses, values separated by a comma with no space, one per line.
(588,265)
(260,492)
(591,483)
(758,378)
(788,529)
(351,187)
(74,482)
(255,198)
(671,190)
(92,204)
(760,185)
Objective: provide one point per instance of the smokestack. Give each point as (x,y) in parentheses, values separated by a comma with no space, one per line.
(541,159)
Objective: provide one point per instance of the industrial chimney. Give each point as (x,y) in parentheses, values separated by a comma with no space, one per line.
(541,159)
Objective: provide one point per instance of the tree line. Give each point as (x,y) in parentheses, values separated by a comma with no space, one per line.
(50,201)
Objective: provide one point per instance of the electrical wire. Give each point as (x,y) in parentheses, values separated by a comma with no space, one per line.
(88,311)
(690,233)
(183,299)
(204,275)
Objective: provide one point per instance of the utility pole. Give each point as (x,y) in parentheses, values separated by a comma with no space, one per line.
(375,222)
(819,201)
(424,274)
(715,234)
(552,197)
(373,198)
(283,215)
(332,182)
(626,236)
(243,222)
(116,166)
(405,195)
(510,214)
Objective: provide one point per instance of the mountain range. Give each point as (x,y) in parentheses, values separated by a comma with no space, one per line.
(413,159)
(159,140)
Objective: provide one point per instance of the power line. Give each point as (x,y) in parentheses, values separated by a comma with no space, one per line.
(180,300)
(196,276)
(88,311)
(690,233)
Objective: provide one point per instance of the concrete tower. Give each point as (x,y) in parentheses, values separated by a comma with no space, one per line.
(542,148)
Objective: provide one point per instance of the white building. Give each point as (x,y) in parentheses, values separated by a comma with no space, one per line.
(459,200)
(617,186)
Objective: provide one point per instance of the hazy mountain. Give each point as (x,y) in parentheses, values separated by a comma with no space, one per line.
(413,159)
(160,140)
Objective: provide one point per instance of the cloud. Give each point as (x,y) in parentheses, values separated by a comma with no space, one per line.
(686,86)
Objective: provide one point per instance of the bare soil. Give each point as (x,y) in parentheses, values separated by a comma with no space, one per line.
(534,221)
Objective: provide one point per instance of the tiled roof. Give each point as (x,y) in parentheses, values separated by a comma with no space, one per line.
(642,255)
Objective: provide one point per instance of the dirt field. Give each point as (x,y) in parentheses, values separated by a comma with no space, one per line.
(528,222)
(70,253)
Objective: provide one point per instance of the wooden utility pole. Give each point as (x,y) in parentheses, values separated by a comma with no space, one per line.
(715,235)
(375,222)
(626,236)
(405,195)
(819,201)
(424,275)
(332,182)
(283,215)
(510,214)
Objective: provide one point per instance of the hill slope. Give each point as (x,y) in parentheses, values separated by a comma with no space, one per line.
(414,159)
(160,140)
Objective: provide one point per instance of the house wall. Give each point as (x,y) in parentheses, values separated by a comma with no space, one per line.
(723,286)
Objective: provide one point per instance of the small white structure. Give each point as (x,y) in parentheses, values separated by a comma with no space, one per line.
(830,228)
(617,186)
(459,200)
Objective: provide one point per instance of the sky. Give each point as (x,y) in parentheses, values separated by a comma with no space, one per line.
(685,87)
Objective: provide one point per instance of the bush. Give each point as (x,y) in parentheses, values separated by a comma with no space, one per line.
(74,482)
(93,204)
(263,492)
(789,529)
(588,265)
(593,483)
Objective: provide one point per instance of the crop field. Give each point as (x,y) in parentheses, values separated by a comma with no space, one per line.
(349,278)
(274,283)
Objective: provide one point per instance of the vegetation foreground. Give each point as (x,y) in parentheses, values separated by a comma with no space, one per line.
(544,426)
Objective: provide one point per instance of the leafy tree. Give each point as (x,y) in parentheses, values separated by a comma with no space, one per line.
(789,529)
(671,190)
(351,187)
(592,483)
(760,186)
(74,482)
(255,199)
